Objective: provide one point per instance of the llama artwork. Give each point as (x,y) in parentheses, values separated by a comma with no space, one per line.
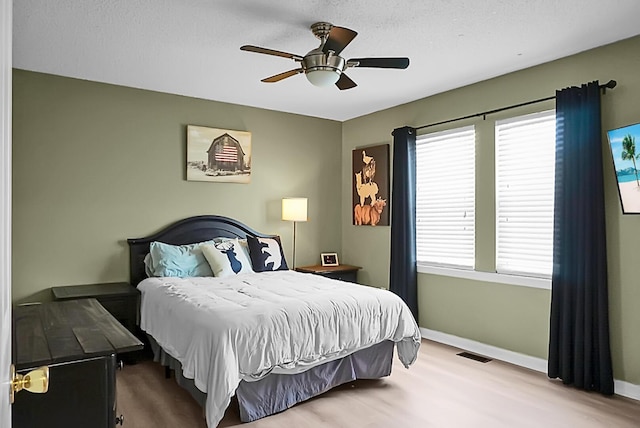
(371,185)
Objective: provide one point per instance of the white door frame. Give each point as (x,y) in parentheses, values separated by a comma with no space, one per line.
(6,19)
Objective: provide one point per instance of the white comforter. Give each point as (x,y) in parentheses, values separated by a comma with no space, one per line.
(224,330)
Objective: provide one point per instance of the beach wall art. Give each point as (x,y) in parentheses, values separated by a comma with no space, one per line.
(218,155)
(370,178)
(626,162)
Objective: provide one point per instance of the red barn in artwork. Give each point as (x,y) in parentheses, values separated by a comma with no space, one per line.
(225,153)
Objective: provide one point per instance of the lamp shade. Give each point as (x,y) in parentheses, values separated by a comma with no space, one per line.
(323,78)
(294,209)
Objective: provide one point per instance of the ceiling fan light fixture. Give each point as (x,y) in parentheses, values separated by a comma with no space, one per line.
(323,77)
(322,70)
(323,65)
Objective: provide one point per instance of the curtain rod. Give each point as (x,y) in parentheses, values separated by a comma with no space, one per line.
(609,85)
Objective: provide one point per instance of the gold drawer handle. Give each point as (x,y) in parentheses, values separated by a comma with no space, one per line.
(36,381)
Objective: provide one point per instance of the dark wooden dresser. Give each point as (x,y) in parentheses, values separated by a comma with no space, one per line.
(78,340)
(119,298)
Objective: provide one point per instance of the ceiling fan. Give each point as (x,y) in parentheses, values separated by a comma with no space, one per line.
(323,65)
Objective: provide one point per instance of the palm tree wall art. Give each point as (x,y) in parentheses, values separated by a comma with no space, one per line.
(622,142)
(629,153)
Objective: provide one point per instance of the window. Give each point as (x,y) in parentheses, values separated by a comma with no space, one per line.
(525,176)
(445,188)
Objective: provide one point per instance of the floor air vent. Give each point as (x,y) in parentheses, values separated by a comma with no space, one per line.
(475,357)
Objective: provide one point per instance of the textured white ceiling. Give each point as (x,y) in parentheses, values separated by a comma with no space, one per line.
(191,47)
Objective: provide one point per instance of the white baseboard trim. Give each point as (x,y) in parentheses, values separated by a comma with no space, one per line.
(626,389)
(623,388)
(522,360)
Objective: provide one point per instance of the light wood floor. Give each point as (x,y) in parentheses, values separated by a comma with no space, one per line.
(439,390)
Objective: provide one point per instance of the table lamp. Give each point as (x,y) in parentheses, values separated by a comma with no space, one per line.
(295,210)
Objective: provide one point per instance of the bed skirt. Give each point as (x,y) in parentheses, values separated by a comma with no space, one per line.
(277,392)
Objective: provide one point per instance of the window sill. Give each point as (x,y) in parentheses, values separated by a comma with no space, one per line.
(500,278)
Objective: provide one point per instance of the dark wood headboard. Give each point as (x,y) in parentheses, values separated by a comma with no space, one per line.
(187,231)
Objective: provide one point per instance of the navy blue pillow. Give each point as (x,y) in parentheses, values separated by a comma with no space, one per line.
(266,254)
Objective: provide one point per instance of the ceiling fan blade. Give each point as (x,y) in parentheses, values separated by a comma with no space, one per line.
(338,39)
(258,49)
(281,76)
(379,62)
(344,82)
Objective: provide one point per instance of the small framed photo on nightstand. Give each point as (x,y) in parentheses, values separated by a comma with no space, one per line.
(329,259)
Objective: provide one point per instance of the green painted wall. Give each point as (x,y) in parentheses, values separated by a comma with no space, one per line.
(511,317)
(95,164)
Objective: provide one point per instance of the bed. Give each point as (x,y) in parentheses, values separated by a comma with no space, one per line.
(272,339)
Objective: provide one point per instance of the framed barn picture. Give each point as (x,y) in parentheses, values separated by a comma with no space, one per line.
(371,186)
(218,155)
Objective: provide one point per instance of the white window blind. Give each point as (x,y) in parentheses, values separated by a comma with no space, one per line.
(525,169)
(445,188)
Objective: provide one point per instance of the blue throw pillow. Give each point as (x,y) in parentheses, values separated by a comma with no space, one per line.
(179,260)
(266,254)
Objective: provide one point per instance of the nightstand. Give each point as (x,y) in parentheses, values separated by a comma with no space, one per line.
(342,272)
(119,298)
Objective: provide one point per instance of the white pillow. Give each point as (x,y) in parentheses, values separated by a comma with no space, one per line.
(227,258)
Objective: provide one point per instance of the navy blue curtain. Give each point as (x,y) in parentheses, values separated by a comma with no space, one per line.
(403,275)
(579,352)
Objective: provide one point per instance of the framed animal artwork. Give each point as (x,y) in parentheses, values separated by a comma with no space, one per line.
(370,204)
